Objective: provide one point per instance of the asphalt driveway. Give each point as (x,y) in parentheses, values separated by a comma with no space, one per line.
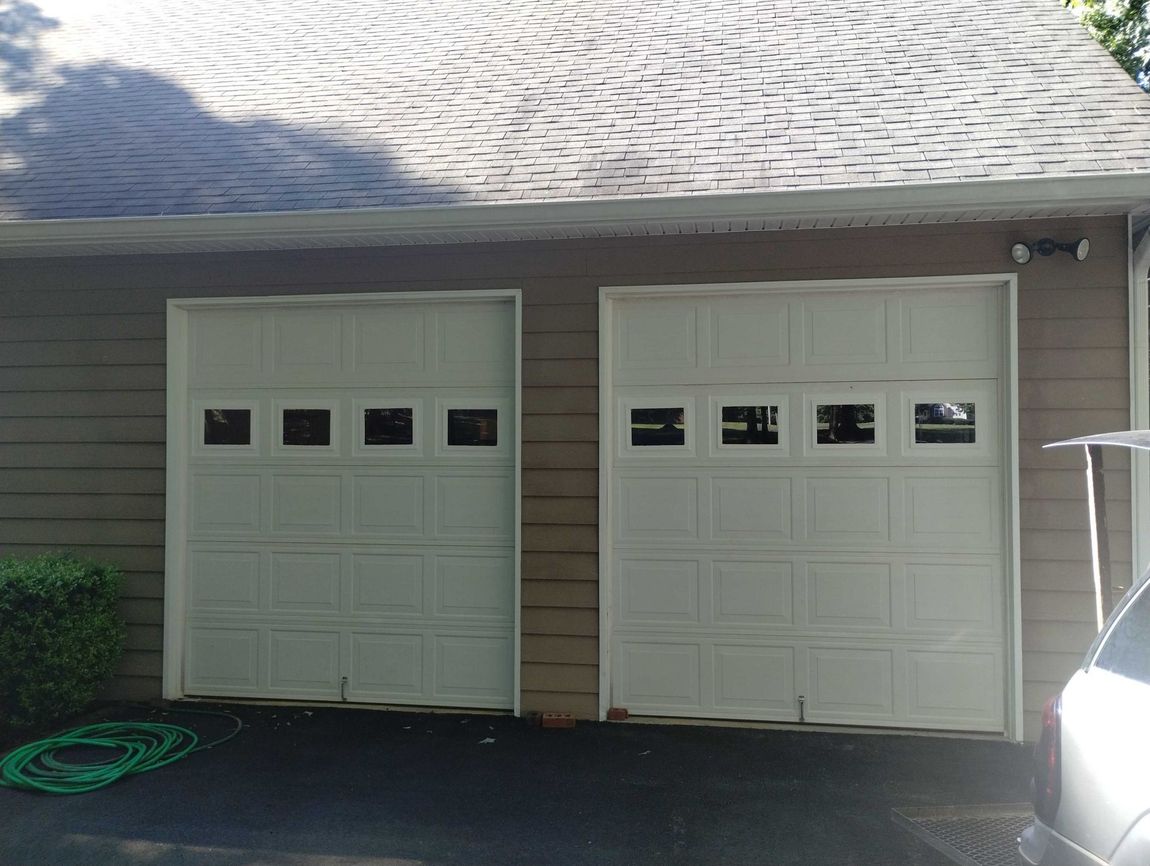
(344,786)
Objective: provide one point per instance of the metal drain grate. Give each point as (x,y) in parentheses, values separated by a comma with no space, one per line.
(969,835)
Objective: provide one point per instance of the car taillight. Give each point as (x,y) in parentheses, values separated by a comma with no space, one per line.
(1047,762)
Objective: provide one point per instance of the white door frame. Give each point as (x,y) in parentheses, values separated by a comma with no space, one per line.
(178,450)
(1007,282)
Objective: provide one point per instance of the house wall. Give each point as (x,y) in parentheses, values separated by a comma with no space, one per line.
(82,405)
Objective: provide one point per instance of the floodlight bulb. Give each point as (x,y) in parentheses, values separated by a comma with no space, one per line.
(1020,252)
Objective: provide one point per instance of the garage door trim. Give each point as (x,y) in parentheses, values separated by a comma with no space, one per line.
(179,449)
(1007,283)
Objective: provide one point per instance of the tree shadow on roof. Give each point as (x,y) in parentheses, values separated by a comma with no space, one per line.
(107,140)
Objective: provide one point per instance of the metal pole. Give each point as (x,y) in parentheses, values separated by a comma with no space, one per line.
(1099,536)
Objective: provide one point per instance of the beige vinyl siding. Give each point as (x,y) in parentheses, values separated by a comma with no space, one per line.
(82,404)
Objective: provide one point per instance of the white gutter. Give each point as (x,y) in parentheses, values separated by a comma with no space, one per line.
(1119,191)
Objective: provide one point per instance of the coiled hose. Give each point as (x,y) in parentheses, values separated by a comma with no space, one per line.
(135,747)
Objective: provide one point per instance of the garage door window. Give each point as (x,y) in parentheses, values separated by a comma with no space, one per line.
(750,425)
(307,427)
(845,424)
(227,427)
(389,427)
(944,424)
(472,427)
(658,426)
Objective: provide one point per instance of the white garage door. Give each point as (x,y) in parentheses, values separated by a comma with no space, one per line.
(807,507)
(350,514)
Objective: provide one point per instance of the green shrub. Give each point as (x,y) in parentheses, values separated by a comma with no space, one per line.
(60,636)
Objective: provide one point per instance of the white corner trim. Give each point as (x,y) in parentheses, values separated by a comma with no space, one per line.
(1119,192)
(1015,710)
(606,431)
(176,486)
(517,639)
(1139,260)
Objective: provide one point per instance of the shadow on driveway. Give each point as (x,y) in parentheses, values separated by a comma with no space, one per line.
(344,786)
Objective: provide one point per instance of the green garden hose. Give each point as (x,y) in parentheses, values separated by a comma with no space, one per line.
(130,747)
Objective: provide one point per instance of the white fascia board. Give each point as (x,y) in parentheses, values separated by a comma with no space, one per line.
(1125,192)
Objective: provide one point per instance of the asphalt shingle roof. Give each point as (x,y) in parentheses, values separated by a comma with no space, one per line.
(144,107)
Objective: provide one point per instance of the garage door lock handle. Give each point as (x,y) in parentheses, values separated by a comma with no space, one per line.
(343,688)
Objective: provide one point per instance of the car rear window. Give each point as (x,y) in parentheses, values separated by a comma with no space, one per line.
(1126,650)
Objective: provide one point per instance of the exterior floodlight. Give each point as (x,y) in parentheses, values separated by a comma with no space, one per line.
(1020,253)
(1080,249)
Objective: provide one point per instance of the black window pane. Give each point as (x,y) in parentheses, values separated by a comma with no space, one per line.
(227,427)
(844,424)
(1127,649)
(658,426)
(750,425)
(387,427)
(472,427)
(943,423)
(307,427)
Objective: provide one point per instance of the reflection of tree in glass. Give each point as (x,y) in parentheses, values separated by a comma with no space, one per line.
(843,423)
(750,425)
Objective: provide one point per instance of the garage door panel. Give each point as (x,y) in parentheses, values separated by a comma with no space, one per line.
(223,580)
(851,541)
(224,659)
(352,533)
(305,582)
(949,327)
(653,507)
(750,332)
(474,505)
(954,597)
(225,348)
(955,688)
(841,330)
(474,586)
(658,590)
(751,508)
(848,594)
(657,335)
(850,684)
(847,509)
(306,347)
(659,675)
(308,504)
(755,677)
(472,667)
(390,504)
(952,511)
(387,583)
(225,504)
(303,662)
(384,666)
(475,346)
(389,345)
(752,593)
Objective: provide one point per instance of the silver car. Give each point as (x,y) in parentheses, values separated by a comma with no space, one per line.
(1092,762)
